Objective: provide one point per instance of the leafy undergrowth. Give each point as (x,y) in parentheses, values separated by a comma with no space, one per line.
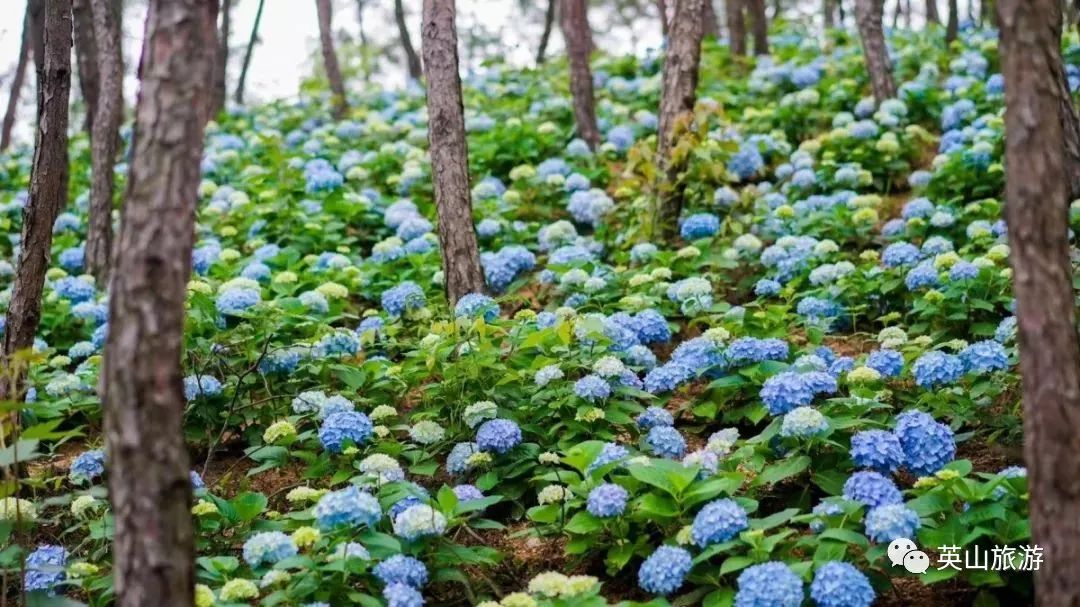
(824,362)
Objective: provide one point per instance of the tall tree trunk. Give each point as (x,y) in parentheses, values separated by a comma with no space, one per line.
(711,24)
(86,51)
(661,11)
(412,60)
(868,18)
(736,23)
(250,51)
(840,14)
(149,482)
(330,60)
(896,13)
(828,8)
(952,27)
(105,138)
(17,82)
(1070,125)
(48,191)
(932,12)
(677,99)
(549,23)
(360,22)
(574,20)
(449,152)
(760,24)
(1036,213)
(37,45)
(221,60)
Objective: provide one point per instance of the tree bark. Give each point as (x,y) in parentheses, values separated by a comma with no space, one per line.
(1036,213)
(37,45)
(574,20)
(86,54)
(360,22)
(330,60)
(828,9)
(952,27)
(711,24)
(1070,125)
(677,98)
(16,82)
(549,23)
(48,191)
(736,22)
(149,482)
(412,60)
(221,60)
(878,65)
(932,12)
(661,10)
(760,26)
(449,152)
(104,139)
(250,51)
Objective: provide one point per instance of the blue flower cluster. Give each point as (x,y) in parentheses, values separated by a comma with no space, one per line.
(607,500)
(498,436)
(877,450)
(928,445)
(839,584)
(771,584)
(402,569)
(936,368)
(701,225)
(405,297)
(475,305)
(789,389)
(871,489)
(718,521)
(268,547)
(664,571)
(344,426)
(348,507)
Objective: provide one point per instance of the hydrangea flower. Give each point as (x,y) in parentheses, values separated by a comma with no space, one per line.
(877,450)
(202,386)
(348,507)
(405,297)
(719,521)
(402,569)
(891,521)
(666,441)
(664,571)
(609,454)
(401,595)
(475,305)
(871,489)
(889,363)
(344,426)
(653,417)
(419,521)
(771,584)
(87,466)
(457,462)
(45,569)
(268,547)
(927,445)
(592,388)
(701,225)
(804,422)
(839,584)
(607,500)
(936,368)
(984,357)
(498,436)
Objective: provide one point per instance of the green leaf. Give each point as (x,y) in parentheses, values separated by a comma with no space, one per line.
(583,523)
(781,470)
(847,536)
(735,563)
(249,505)
(23,450)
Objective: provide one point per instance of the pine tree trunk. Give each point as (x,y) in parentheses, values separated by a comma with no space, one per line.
(86,54)
(330,60)
(104,139)
(760,24)
(711,24)
(878,65)
(1036,213)
(952,27)
(828,9)
(241,82)
(48,190)
(736,22)
(661,11)
(411,58)
(932,12)
(149,482)
(221,60)
(16,82)
(574,20)
(677,98)
(449,153)
(549,23)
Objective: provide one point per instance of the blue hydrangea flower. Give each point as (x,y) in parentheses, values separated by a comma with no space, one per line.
(871,489)
(922,275)
(1010,472)
(592,388)
(771,584)
(936,368)
(664,571)
(877,450)
(75,289)
(963,270)
(609,454)
(402,569)
(746,162)
(653,417)
(928,445)
(607,500)
(839,584)
(498,436)
(767,287)
(475,305)
(457,461)
(823,510)
(889,363)
(719,521)
(651,327)
(666,441)
(749,350)
(338,343)
(891,521)
(804,422)
(87,466)
(348,507)
(203,386)
(701,225)
(467,493)
(785,391)
(344,426)
(405,297)
(45,569)
(268,547)
(984,357)
(401,595)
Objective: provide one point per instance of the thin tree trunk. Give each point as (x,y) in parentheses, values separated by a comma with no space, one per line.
(677,98)
(360,22)
(37,45)
(829,9)
(661,10)
(736,22)
(104,139)
(574,20)
(896,14)
(932,12)
(330,60)
(840,14)
(1037,216)
(86,51)
(412,60)
(449,152)
(549,22)
(952,27)
(48,192)
(149,482)
(17,82)
(250,51)
(711,24)
(221,60)
(868,18)
(760,25)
